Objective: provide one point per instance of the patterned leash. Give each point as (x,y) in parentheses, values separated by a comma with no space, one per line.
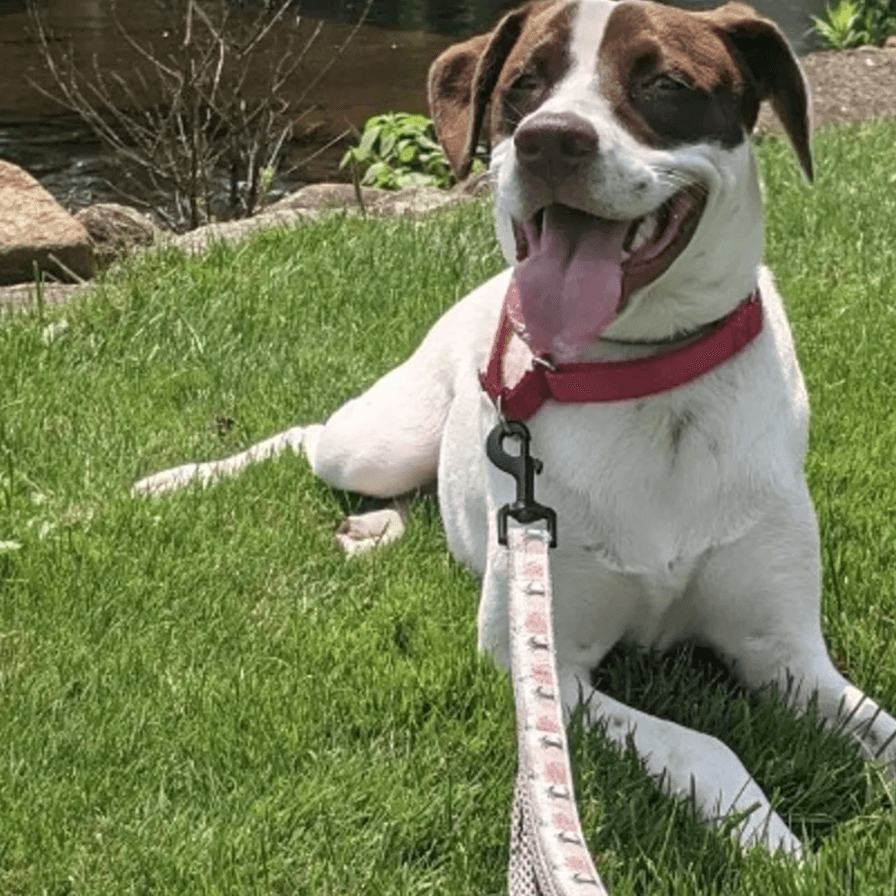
(548,854)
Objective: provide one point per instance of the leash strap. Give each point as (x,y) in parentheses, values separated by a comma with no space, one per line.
(548,854)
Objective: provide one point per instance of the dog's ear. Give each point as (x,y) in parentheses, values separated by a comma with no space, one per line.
(460,84)
(775,71)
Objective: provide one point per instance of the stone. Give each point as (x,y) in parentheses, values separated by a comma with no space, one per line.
(37,233)
(414,201)
(33,296)
(115,230)
(319,198)
(324,197)
(312,202)
(201,238)
(477,185)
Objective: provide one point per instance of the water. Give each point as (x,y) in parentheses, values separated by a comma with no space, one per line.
(384,69)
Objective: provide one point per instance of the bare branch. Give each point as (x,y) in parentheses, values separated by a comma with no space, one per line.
(182,120)
(263,33)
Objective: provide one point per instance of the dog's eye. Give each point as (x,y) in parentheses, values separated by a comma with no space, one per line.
(527,82)
(667,83)
(525,94)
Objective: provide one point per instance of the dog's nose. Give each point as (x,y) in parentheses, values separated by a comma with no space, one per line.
(554,145)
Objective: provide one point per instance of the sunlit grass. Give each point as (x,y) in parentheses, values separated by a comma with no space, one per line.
(200,695)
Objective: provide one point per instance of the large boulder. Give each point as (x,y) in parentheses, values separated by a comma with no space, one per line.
(116,231)
(36,233)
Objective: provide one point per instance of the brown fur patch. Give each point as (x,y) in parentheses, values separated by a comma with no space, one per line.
(671,78)
(538,61)
(533,41)
(674,77)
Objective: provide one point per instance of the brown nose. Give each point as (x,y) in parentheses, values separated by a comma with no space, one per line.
(555,145)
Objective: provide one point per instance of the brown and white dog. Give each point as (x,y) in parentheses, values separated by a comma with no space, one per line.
(628,206)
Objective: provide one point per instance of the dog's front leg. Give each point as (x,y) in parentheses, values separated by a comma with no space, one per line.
(803,673)
(770,626)
(685,763)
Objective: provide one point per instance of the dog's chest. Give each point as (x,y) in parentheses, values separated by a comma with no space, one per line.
(646,489)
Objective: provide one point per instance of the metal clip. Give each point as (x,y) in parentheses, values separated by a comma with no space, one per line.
(523,468)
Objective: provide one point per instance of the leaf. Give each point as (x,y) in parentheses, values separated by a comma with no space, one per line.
(414,179)
(368,139)
(378,175)
(387,145)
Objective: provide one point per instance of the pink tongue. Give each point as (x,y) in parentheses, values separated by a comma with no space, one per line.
(570,283)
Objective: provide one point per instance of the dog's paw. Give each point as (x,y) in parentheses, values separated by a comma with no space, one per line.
(362,533)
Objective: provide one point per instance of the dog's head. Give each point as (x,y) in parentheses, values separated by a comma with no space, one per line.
(625,189)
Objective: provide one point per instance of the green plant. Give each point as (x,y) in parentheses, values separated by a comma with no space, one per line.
(852,23)
(399,149)
(838,27)
(880,19)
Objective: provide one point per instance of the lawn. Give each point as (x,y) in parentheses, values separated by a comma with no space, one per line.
(200,695)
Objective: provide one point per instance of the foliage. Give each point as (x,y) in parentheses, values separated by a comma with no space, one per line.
(399,149)
(839,29)
(853,23)
(187,123)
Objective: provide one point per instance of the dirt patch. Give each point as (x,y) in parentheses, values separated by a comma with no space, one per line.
(847,86)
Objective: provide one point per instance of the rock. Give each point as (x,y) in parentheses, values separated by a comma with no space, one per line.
(324,197)
(35,231)
(312,202)
(201,238)
(414,201)
(890,43)
(25,296)
(108,231)
(320,198)
(116,230)
(477,185)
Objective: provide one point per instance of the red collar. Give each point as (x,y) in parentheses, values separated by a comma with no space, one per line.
(597,381)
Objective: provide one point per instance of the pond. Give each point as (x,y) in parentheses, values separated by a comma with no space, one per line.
(383,70)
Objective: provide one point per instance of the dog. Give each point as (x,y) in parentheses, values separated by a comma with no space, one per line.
(668,408)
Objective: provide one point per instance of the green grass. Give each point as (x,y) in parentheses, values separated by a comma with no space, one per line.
(199,695)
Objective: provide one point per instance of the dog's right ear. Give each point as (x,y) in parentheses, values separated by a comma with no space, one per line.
(460,84)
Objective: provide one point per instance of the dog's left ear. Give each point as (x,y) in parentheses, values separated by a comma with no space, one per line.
(460,85)
(774,69)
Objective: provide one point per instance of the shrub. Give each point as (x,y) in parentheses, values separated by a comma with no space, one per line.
(399,149)
(194,142)
(852,23)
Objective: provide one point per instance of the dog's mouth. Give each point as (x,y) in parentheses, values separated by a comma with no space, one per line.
(575,270)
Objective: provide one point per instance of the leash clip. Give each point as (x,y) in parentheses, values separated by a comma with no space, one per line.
(523,467)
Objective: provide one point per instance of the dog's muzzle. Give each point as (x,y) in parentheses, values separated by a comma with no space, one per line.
(576,270)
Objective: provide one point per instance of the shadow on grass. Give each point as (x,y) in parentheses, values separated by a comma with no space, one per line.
(815,779)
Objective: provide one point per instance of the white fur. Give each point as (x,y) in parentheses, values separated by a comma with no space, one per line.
(683,515)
